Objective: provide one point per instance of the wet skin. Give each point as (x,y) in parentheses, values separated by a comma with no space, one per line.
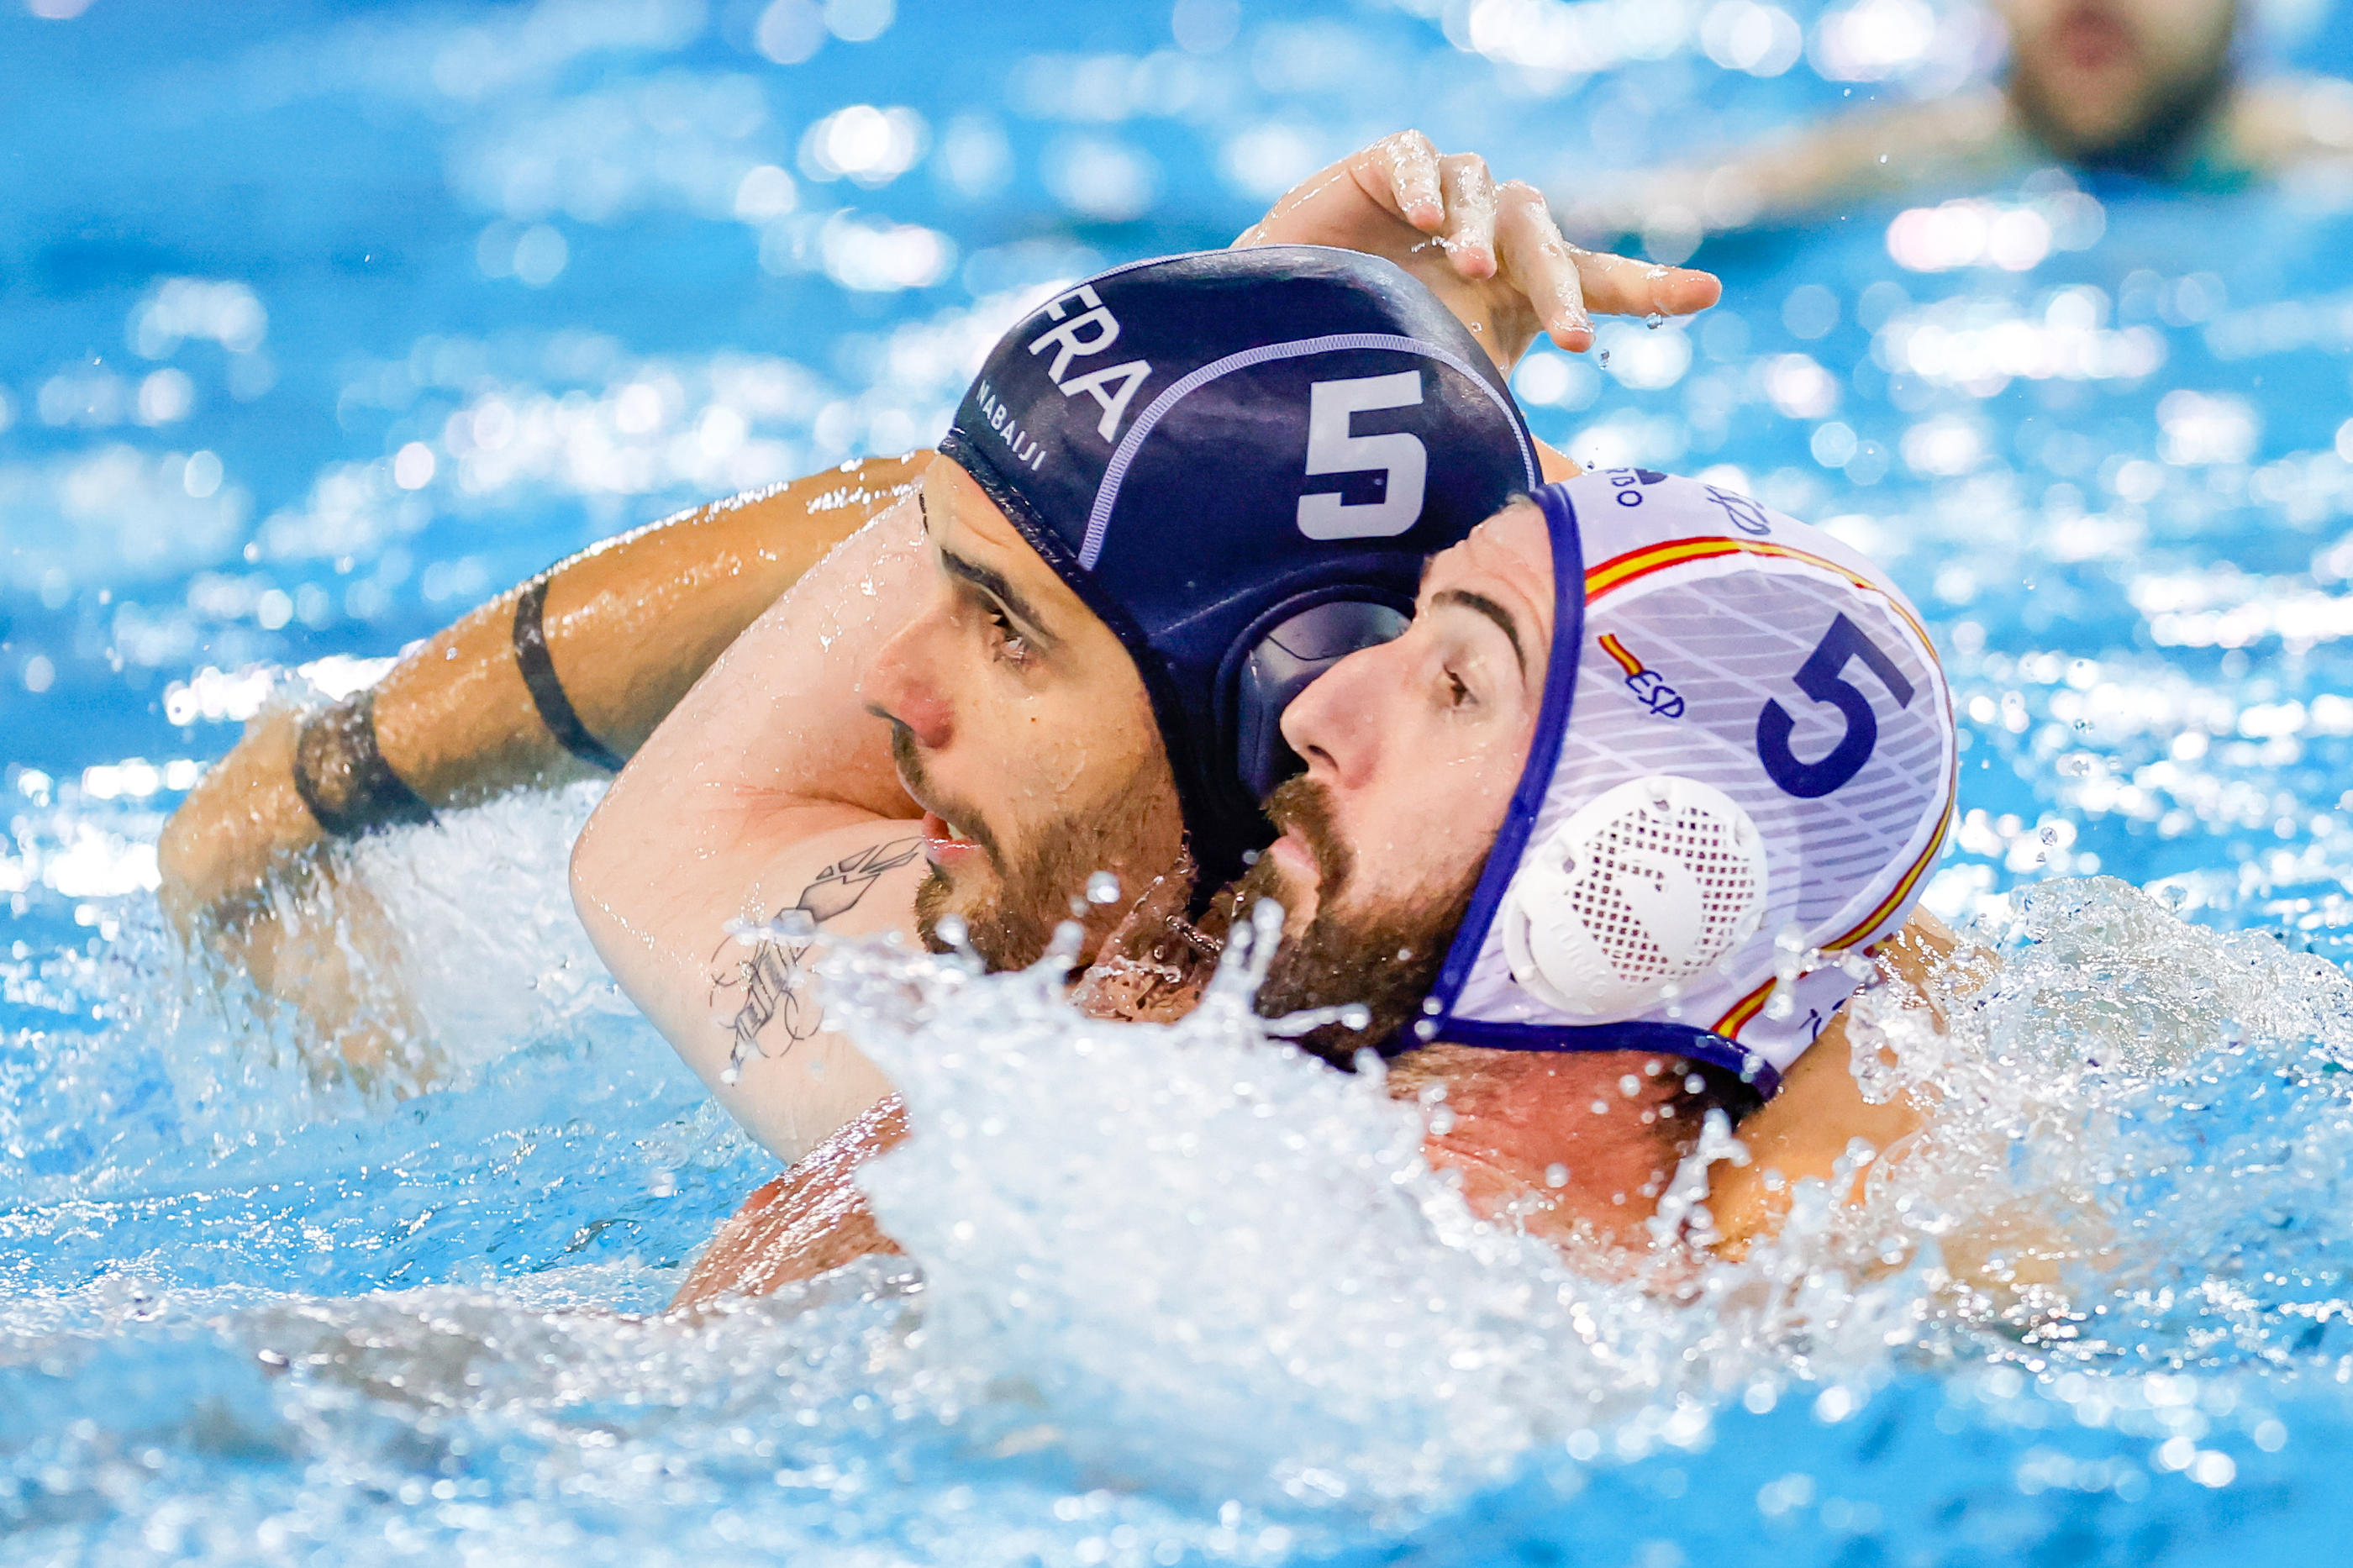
(1018,753)
(1021,727)
(773,791)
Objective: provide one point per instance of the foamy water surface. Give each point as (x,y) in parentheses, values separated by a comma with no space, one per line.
(1178,1294)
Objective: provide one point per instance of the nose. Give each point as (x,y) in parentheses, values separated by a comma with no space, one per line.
(1332,723)
(900,684)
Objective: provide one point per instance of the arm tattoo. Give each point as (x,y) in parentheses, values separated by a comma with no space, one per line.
(769,985)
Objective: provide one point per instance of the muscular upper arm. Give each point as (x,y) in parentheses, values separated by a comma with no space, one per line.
(769,790)
(756,1030)
(693,586)
(627,628)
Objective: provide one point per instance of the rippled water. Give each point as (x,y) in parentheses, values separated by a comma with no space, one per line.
(327,324)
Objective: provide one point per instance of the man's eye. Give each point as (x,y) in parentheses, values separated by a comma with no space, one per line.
(1014,645)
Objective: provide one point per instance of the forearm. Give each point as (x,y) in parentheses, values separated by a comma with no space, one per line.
(628,626)
(604,644)
(1862,156)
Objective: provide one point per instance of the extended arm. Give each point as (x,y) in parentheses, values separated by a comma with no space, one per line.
(1864,156)
(603,645)
(621,631)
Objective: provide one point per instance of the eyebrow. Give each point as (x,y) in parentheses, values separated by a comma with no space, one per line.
(992,582)
(1481,604)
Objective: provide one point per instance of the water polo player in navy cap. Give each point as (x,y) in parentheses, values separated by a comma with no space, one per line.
(1172,493)
(1238,461)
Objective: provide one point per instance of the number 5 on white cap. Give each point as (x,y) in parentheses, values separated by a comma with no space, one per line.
(1333,447)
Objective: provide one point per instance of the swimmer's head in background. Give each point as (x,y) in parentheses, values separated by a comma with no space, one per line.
(1743,769)
(1240,460)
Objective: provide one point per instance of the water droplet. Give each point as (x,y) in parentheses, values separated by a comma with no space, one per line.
(1103,887)
(1655,320)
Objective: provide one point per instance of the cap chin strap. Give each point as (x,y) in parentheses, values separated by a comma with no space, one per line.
(1640,889)
(1536,777)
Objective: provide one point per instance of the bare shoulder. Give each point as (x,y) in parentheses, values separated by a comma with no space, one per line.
(1820,1107)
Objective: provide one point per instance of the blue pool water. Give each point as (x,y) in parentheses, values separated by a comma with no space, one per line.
(325,321)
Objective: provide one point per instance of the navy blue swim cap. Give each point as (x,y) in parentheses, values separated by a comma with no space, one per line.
(1240,460)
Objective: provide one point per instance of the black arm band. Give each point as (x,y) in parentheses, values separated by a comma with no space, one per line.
(343,778)
(538,669)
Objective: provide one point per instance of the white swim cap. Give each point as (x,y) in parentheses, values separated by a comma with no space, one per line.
(1746,753)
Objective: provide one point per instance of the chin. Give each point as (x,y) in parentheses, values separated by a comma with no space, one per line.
(937,896)
(1004,937)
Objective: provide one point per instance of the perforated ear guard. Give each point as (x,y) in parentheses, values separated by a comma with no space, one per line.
(1642,888)
(1285,662)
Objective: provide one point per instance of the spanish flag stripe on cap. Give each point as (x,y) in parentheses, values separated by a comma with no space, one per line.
(1637,564)
(1617,650)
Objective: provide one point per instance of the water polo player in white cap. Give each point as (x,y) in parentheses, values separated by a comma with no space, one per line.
(1575,847)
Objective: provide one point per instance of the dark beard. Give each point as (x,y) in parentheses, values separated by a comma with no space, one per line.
(1012,930)
(1385,957)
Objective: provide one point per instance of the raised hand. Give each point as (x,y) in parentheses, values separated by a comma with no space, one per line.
(1491,252)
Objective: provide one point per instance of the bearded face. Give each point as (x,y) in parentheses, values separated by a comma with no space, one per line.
(1032,871)
(1383,952)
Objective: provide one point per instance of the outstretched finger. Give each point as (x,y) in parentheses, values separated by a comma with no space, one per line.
(1543,265)
(1469,237)
(1401,172)
(1619,286)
